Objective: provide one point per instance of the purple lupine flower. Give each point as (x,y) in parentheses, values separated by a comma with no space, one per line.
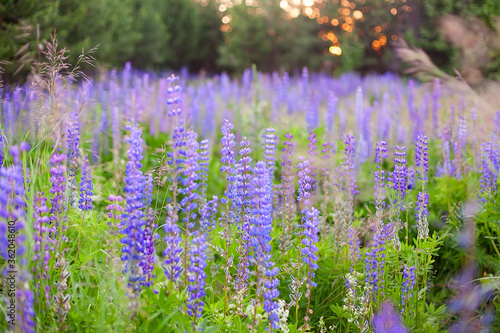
(375,259)
(243,203)
(312,112)
(489,169)
(288,193)
(208,213)
(227,159)
(190,181)
(149,235)
(204,156)
(399,177)
(387,320)
(379,175)
(260,239)
(42,243)
(133,223)
(270,141)
(349,170)
(58,180)
(309,251)
(73,132)
(25,308)
(354,243)
(86,187)
(422,164)
(407,286)
(173,249)
(196,275)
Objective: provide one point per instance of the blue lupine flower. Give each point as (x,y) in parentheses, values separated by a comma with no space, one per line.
(204,156)
(190,180)
(422,164)
(354,243)
(490,168)
(196,275)
(86,187)
(407,286)
(134,217)
(58,180)
(399,177)
(375,259)
(260,238)
(73,129)
(380,154)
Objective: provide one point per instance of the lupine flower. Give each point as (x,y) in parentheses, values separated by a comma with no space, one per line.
(399,177)
(354,243)
(380,154)
(190,180)
(196,275)
(422,164)
(407,286)
(134,217)
(332,110)
(350,171)
(73,142)
(173,249)
(86,187)
(260,239)
(208,214)
(204,156)
(375,259)
(58,180)
(489,168)
(228,159)
(243,203)
(387,320)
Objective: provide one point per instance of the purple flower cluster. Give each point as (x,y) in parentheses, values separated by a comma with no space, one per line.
(228,160)
(349,170)
(489,168)
(375,259)
(133,223)
(379,175)
(86,187)
(73,139)
(407,286)
(422,164)
(190,181)
(196,275)
(58,180)
(260,238)
(399,177)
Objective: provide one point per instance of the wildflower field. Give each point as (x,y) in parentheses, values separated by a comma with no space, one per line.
(148,202)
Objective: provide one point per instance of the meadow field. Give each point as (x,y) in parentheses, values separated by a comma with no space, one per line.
(136,201)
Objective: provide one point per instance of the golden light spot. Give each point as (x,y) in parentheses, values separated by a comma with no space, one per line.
(376,45)
(324,37)
(296,2)
(345,3)
(308,11)
(284,5)
(308,3)
(352,5)
(383,40)
(358,15)
(335,22)
(349,20)
(222,8)
(295,12)
(320,20)
(394,11)
(346,11)
(394,37)
(345,26)
(378,28)
(335,50)
(325,19)
(226,19)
